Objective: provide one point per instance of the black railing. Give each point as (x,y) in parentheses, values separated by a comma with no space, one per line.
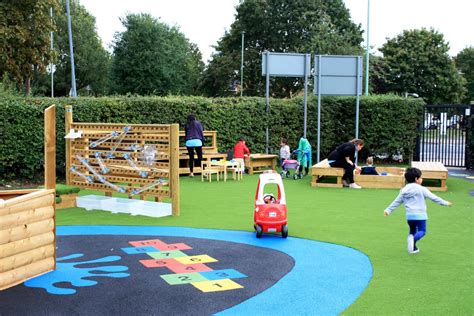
(444,135)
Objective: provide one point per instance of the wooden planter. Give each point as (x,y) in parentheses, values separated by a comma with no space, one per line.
(27,235)
(67,201)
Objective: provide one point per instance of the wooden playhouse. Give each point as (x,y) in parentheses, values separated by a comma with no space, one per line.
(27,222)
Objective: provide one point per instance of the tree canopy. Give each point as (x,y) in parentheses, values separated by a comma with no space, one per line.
(297,26)
(25,43)
(151,57)
(90,58)
(465,63)
(417,61)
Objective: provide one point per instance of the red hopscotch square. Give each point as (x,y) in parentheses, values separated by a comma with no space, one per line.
(158,263)
(177,246)
(188,268)
(151,242)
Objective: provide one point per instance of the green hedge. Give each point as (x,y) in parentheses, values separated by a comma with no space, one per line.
(387,123)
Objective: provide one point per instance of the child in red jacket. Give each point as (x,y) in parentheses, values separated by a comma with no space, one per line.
(240,149)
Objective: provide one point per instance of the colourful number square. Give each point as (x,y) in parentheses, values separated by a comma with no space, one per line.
(158,263)
(135,250)
(196,259)
(215,286)
(167,254)
(150,242)
(182,278)
(188,268)
(178,246)
(223,274)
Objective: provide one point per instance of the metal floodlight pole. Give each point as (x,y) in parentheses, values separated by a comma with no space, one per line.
(71,51)
(242,66)
(367,51)
(307,62)
(51,63)
(319,108)
(267,97)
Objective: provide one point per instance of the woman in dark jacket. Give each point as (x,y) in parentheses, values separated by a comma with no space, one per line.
(193,134)
(344,157)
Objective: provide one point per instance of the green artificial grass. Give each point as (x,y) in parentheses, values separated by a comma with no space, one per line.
(436,281)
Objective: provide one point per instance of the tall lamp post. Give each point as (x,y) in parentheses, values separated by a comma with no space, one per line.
(367,51)
(242,66)
(51,64)
(71,51)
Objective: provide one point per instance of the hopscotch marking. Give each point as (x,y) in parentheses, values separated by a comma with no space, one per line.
(187,269)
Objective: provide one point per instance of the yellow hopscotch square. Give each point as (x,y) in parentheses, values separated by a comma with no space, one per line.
(217,285)
(195,259)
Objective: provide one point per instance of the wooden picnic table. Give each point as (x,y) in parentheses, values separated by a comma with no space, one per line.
(260,162)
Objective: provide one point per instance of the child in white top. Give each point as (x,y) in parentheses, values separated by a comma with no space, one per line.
(284,150)
(413,196)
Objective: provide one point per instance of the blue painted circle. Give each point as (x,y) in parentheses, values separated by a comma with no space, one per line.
(325,280)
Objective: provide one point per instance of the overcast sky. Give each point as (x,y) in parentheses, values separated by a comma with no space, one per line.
(204,21)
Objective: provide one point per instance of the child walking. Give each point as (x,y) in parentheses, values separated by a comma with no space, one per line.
(413,196)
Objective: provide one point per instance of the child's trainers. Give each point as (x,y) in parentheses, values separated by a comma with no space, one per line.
(410,243)
(415,251)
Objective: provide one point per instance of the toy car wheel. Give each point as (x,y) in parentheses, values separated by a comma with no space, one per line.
(288,174)
(284,231)
(295,177)
(282,174)
(259,231)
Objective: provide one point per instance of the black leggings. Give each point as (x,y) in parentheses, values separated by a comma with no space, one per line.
(348,169)
(193,162)
(306,169)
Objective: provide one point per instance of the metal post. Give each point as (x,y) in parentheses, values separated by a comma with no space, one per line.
(358,86)
(267,96)
(242,66)
(71,51)
(306,66)
(319,108)
(51,63)
(367,51)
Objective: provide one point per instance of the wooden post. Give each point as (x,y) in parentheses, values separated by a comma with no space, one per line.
(50,161)
(67,125)
(174,168)
(50,147)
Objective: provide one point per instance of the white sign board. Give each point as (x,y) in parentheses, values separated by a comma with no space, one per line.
(286,64)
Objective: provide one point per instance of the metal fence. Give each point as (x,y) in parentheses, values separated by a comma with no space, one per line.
(444,135)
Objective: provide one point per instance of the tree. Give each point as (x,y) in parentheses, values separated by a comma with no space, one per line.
(152,58)
(417,61)
(298,26)
(92,61)
(377,70)
(465,63)
(25,44)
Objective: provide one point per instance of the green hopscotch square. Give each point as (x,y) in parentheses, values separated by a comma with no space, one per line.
(167,254)
(183,278)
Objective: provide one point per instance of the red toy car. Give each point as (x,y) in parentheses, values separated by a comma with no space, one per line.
(270,213)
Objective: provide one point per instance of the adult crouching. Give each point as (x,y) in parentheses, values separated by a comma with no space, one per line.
(344,157)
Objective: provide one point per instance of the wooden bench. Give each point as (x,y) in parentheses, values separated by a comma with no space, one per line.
(209,152)
(433,171)
(322,171)
(260,162)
